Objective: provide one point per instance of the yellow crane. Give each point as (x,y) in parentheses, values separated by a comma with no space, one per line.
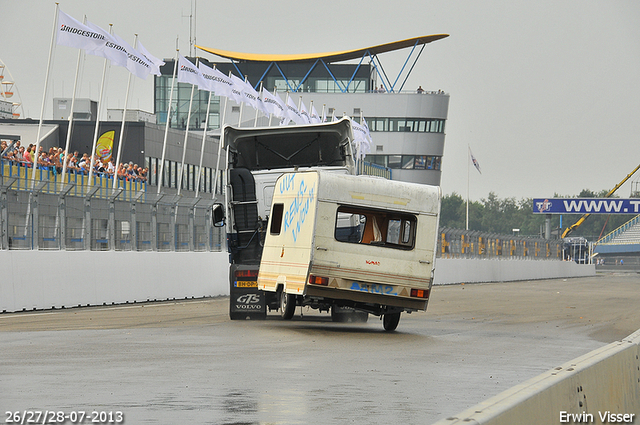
(611,192)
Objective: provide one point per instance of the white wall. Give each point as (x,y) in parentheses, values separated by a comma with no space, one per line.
(449,271)
(53,279)
(45,279)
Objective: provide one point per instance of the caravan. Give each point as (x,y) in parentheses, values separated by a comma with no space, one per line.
(337,241)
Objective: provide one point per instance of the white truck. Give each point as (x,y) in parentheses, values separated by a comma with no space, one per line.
(337,241)
(256,158)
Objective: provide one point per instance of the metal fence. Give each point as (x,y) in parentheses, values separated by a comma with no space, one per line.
(76,216)
(457,243)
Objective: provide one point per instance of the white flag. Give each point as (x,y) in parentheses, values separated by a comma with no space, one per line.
(111,49)
(475,161)
(293,112)
(244,93)
(315,118)
(273,104)
(72,33)
(154,61)
(304,113)
(219,83)
(237,94)
(367,132)
(188,73)
(137,64)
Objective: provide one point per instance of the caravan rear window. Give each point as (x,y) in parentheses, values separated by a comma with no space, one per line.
(374,227)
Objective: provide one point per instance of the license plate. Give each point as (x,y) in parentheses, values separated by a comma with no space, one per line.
(373,288)
(246,284)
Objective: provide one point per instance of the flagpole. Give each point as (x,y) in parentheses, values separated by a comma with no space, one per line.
(241,107)
(124,117)
(44,98)
(204,136)
(224,113)
(255,123)
(166,127)
(97,128)
(468,160)
(70,126)
(286,105)
(186,136)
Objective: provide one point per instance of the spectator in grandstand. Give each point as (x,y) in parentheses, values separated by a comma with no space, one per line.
(8,155)
(20,154)
(72,164)
(43,161)
(142,174)
(111,167)
(55,161)
(98,166)
(84,164)
(131,172)
(122,171)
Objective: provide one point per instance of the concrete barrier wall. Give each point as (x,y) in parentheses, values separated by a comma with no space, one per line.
(450,271)
(54,279)
(601,383)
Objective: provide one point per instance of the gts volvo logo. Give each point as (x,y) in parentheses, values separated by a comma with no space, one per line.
(248,299)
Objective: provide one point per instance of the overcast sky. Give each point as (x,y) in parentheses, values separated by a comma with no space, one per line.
(546,93)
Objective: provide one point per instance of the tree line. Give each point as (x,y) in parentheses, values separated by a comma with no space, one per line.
(496,215)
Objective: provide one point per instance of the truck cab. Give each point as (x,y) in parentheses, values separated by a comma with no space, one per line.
(255,159)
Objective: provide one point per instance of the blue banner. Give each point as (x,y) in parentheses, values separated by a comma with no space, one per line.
(586,206)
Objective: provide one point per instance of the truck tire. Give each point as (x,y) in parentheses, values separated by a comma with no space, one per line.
(390,321)
(287,305)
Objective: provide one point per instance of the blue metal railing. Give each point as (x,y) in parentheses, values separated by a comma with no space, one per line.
(617,232)
(24,177)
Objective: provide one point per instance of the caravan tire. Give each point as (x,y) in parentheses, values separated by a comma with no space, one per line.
(390,321)
(287,305)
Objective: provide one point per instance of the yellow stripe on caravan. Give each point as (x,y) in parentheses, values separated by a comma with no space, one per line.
(383,199)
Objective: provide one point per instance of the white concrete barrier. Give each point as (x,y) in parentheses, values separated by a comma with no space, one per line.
(450,271)
(53,279)
(602,386)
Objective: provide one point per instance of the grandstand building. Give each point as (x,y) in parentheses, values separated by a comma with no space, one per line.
(407,125)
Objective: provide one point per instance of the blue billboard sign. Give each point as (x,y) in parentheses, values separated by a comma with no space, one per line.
(586,206)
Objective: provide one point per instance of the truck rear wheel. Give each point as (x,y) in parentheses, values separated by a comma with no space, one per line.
(287,305)
(390,321)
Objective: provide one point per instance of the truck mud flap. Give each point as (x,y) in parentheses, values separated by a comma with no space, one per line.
(247,303)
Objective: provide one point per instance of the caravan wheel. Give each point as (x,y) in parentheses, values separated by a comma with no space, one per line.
(390,321)
(287,305)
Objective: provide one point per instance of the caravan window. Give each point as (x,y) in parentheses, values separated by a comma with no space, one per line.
(373,227)
(276,219)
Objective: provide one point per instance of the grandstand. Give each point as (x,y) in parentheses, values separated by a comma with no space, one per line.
(621,246)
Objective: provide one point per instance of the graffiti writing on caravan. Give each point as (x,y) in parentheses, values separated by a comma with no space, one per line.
(297,213)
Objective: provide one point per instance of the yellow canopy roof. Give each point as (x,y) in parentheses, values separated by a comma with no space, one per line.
(327,57)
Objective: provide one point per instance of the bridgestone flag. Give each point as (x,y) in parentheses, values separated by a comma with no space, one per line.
(294,113)
(110,49)
(273,104)
(218,83)
(188,73)
(72,33)
(154,61)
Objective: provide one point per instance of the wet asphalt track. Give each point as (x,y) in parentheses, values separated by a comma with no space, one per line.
(185,362)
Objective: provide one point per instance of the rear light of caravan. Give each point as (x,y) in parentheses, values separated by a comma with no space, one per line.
(317,280)
(419,293)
